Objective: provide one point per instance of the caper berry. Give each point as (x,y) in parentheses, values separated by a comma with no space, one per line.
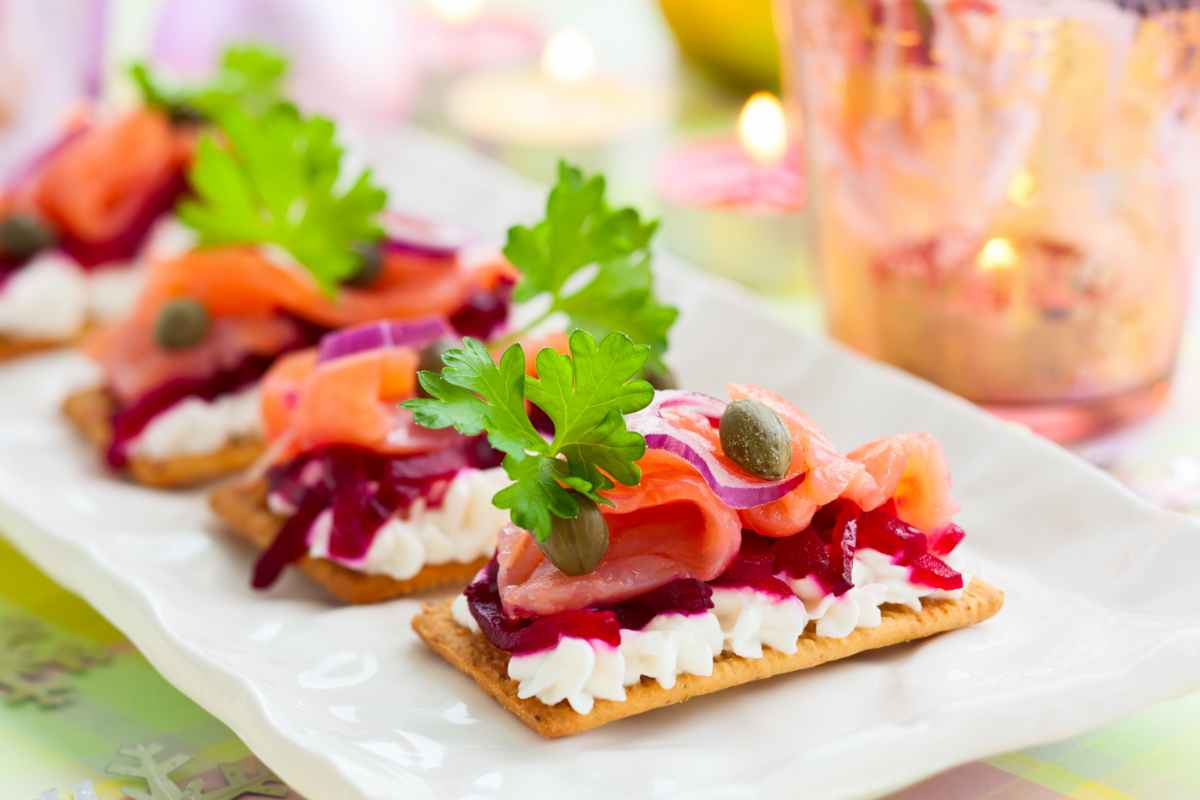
(430,358)
(184,114)
(23,236)
(576,545)
(755,438)
(661,377)
(181,324)
(370,264)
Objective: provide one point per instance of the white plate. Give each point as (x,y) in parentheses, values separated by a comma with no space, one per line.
(1103,613)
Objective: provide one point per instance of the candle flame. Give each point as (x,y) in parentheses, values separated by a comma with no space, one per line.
(762,128)
(1022,188)
(568,56)
(457,11)
(997,254)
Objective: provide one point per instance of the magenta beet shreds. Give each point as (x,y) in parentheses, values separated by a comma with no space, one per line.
(363,489)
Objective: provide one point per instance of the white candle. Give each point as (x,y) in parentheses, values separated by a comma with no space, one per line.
(563,104)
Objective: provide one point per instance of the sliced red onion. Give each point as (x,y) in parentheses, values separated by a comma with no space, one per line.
(734,490)
(377,335)
(404,234)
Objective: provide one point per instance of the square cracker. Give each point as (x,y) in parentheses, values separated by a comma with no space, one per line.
(243,508)
(90,411)
(488,666)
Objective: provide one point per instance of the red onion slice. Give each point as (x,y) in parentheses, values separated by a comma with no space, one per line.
(404,234)
(378,335)
(734,490)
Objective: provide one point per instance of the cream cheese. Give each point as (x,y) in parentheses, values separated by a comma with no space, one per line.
(462,529)
(195,426)
(741,621)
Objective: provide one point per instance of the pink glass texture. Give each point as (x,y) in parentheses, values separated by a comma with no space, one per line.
(1005,194)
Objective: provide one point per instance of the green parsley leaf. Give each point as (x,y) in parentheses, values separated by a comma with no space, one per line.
(581,230)
(585,395)
(275,180)
(247,77)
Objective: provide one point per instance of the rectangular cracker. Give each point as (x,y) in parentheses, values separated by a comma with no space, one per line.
(243,508)
(90,411)
(12,347)
(474,655)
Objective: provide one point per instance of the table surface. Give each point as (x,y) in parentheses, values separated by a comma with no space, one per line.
(63,740)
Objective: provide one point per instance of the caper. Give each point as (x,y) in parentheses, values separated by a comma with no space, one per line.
(755,438)
(181,324)
(184,114)
(370,264)
(23,236)
(431,356)
(661,377)
(576,545)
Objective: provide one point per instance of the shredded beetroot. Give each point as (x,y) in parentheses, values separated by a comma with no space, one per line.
(929,570)
(882,530)
(754,567)
(485,312)
(604,624)
(942,542)
(826,548)
(364,489)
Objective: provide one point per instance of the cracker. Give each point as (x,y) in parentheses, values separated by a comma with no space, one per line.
(243,508)
(13,347)
(472,654)
(90,411)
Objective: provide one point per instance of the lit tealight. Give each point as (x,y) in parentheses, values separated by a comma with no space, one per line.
(457,11)
(997,254)
(762,128)
(568,56)
(1022,188)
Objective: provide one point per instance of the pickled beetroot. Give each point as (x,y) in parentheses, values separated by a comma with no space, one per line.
(929,570)
(942,542)
(521,636)
(364,489)
(754,567)
(882,530)
(485,312)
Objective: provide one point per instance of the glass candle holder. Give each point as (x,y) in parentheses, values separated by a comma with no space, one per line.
(1006,193)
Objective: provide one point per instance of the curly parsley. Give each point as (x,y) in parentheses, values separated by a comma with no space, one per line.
(585,395)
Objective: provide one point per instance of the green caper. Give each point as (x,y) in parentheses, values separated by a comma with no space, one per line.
(576,545)
(755,438)
(430,358)
(23,236)
(661,377)
(184,114)
(370,264)
(181,324)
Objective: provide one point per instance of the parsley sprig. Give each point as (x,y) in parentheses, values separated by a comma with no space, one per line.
(247,77)
(585,395)
(274,179)
(581,230)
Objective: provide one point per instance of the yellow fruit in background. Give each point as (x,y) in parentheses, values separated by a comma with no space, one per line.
(733,39)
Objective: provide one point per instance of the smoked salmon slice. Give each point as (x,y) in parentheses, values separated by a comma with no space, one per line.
(669,526)
(353,400)
(254,295)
